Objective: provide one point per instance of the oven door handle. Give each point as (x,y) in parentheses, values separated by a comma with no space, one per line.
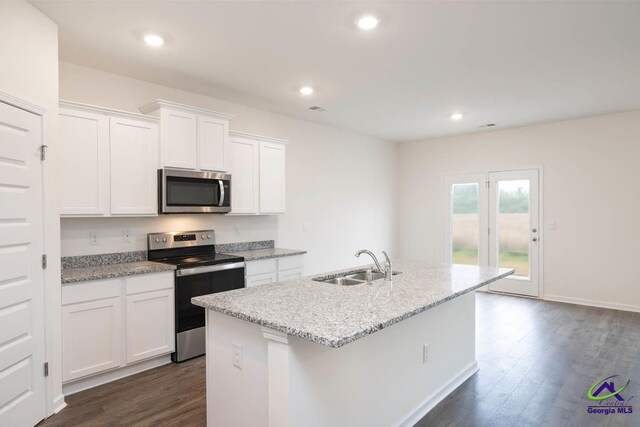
(221,184)
(208,269)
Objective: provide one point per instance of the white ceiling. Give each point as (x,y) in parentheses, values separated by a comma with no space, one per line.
(509,63)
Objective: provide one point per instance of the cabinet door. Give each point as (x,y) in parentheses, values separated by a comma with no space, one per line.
(150,325)
(272,163)
(212,143)
(179,139)
(91,338)
(84,163)
(243,166)
(133,150)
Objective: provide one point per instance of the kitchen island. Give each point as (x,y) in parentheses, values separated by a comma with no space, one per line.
(310,353)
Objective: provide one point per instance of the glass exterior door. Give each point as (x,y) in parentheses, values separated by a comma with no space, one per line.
(492,220)
(514,232)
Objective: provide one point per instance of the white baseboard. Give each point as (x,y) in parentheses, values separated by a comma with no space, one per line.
(113,375)
(437,396)
(592,303)
(59,404)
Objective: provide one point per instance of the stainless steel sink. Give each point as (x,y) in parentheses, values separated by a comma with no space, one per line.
(344,281)
(353,278)
(363,276)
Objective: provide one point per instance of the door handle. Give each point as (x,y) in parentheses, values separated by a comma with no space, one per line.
(535,239)
(221,184)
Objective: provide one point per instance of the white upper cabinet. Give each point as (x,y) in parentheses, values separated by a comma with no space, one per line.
(213,143)
(133,158)
(243,163)
(179,139)
(257,167)
(272,183)
(108,162)
(191,138)
(83,160)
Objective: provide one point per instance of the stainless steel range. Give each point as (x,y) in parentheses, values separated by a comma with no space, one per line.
(199,271)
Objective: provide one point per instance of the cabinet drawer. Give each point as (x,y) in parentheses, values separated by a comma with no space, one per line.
(261,279)
(90,291)
(150,282)
(295,273)
(260,267)
(290,262)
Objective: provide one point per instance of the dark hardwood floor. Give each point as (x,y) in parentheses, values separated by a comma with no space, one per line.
(537,359)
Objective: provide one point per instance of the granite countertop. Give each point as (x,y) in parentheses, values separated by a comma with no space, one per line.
(107,266)
(256,254)
(335,315)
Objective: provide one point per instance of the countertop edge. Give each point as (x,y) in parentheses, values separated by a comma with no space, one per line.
(341,342)
(294,252)
(158,268)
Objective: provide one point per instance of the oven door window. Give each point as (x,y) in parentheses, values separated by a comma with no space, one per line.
(189,316)
(183,191)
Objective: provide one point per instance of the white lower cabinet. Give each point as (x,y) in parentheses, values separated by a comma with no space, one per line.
(108,324)
(149,327)
(262,272)
(91,338)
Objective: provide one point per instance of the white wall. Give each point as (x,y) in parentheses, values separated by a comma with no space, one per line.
(340,182)
(591,191)
(29,71)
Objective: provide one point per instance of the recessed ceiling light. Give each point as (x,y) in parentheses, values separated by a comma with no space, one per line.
(457,116)
(153,40)
(306,90)
(367,22)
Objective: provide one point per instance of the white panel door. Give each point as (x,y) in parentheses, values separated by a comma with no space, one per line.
(243,164)
(150,325)
(272,183)
(514,230)
(91,337)
(133,155)
(84,166)
(212,142)
(22,382)
(179,139)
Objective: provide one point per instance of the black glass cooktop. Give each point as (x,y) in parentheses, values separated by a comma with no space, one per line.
(199,260)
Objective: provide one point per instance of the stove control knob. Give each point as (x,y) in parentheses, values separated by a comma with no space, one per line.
(164,239)
(157,240)
(208,236)
(203,236)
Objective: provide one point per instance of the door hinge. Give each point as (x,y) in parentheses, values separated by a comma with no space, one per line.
(44,261)
(46,369)
(487,184)
(43,153)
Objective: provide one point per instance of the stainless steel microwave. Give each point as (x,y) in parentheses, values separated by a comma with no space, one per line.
(181,191)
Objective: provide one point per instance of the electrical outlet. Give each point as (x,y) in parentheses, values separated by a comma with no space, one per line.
(237,356)
(93,238)
(126,236)
(305,226)
(426,350)
(236,230)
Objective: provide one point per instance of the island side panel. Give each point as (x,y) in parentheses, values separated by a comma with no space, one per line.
(381,380)
(236,396)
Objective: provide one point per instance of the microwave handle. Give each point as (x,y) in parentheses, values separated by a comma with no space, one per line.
(221,184)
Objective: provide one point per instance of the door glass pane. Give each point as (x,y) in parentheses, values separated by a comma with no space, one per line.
(514,224)
(465,220)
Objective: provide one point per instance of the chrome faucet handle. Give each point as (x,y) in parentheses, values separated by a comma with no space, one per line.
(388,269)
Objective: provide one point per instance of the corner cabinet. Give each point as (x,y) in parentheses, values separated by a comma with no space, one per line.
(257,167)
(191,138)
(108,162)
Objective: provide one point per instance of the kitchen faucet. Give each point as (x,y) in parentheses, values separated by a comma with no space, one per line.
(388,270)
